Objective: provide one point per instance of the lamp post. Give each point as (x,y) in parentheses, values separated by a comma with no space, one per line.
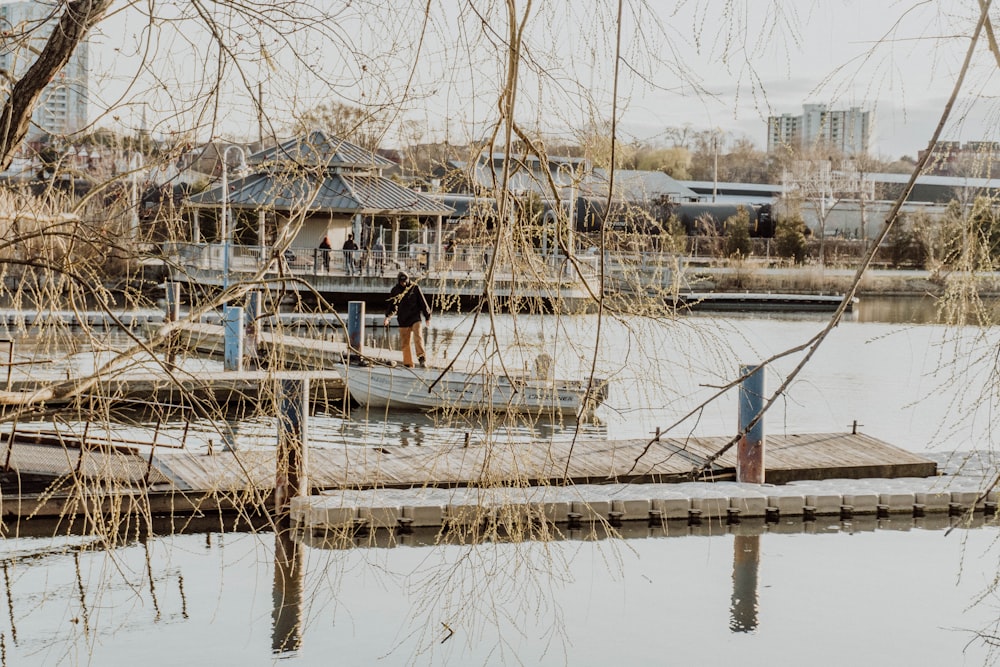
(225,227)
(135,163)
(571,220)
(715,165)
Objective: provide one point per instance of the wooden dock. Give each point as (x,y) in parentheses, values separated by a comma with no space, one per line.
(289,350)
(802,457)
(183,478)
(283,349)
(215,388)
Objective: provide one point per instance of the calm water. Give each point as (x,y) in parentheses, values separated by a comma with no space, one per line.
(898,595)
(905,593)
(920,386)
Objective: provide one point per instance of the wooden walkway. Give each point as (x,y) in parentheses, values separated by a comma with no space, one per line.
(251,474)
(789,458)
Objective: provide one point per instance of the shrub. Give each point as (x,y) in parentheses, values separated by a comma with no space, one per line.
(790,238)
(738,234)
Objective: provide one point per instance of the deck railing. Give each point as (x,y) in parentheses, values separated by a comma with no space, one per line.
(418,260)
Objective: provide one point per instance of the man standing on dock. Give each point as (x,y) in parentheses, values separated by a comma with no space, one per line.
(408,304)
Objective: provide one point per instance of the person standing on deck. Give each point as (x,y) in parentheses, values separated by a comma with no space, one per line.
(408,304)
(378,251)
(324,249)
(349,249)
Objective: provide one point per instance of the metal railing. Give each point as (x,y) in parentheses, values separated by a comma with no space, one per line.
(417,259)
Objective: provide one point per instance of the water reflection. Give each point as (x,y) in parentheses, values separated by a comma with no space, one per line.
(916,310)
(10,599)
(908,309)
(221,618)
(228,430)
(405,432)
(746,565)
(366,428)
(287,592)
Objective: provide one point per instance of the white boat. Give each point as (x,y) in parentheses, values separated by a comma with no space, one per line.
(379,386)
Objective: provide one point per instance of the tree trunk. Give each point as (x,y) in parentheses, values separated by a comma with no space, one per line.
(15,118)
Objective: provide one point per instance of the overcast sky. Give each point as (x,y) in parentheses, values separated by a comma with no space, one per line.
(711,64)
(896,59)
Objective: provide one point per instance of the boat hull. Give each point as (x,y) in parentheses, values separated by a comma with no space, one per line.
(399,387)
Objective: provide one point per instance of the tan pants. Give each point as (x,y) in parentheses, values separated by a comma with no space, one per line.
(413,332)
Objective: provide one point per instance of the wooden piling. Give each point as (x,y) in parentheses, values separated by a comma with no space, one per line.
(152,452)
(254,307)
(750,450)
(10,359)
(356,326)
(290,478)
(172,313)
(172,306)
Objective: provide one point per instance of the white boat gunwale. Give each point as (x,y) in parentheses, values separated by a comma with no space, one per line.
(395,386)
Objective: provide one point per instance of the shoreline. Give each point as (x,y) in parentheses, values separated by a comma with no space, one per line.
(817,280)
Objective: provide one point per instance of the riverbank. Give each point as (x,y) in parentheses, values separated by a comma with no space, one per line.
(827,280)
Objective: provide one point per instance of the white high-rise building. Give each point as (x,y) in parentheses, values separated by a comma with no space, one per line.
(62,108)
(848,131)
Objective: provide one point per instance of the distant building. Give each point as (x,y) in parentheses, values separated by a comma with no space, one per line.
(973,159)
(569,175)
(848,131)
(26,26)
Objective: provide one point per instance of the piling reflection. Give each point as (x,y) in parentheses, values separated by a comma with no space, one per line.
(286,634)
(408,430)
(746,566)
(10,600)
(228,433)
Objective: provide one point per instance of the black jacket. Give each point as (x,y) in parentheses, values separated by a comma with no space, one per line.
(408,304)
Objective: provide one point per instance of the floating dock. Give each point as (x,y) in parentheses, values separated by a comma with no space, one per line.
(131,319)
(761,301)
(343,512)
(187,481)
(215,388)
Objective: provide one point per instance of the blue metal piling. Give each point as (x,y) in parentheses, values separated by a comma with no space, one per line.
(750,450)
(356,326)
(234,331)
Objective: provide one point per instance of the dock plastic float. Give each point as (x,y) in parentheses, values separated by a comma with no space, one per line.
(423,516)
(429,507)
(631,509)
(862,503)
(896,503)
(592,511)
(790,503)
(964,499)
(824,504)
(671,507)
(556,511)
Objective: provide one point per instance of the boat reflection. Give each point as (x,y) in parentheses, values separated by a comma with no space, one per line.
(366,428)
